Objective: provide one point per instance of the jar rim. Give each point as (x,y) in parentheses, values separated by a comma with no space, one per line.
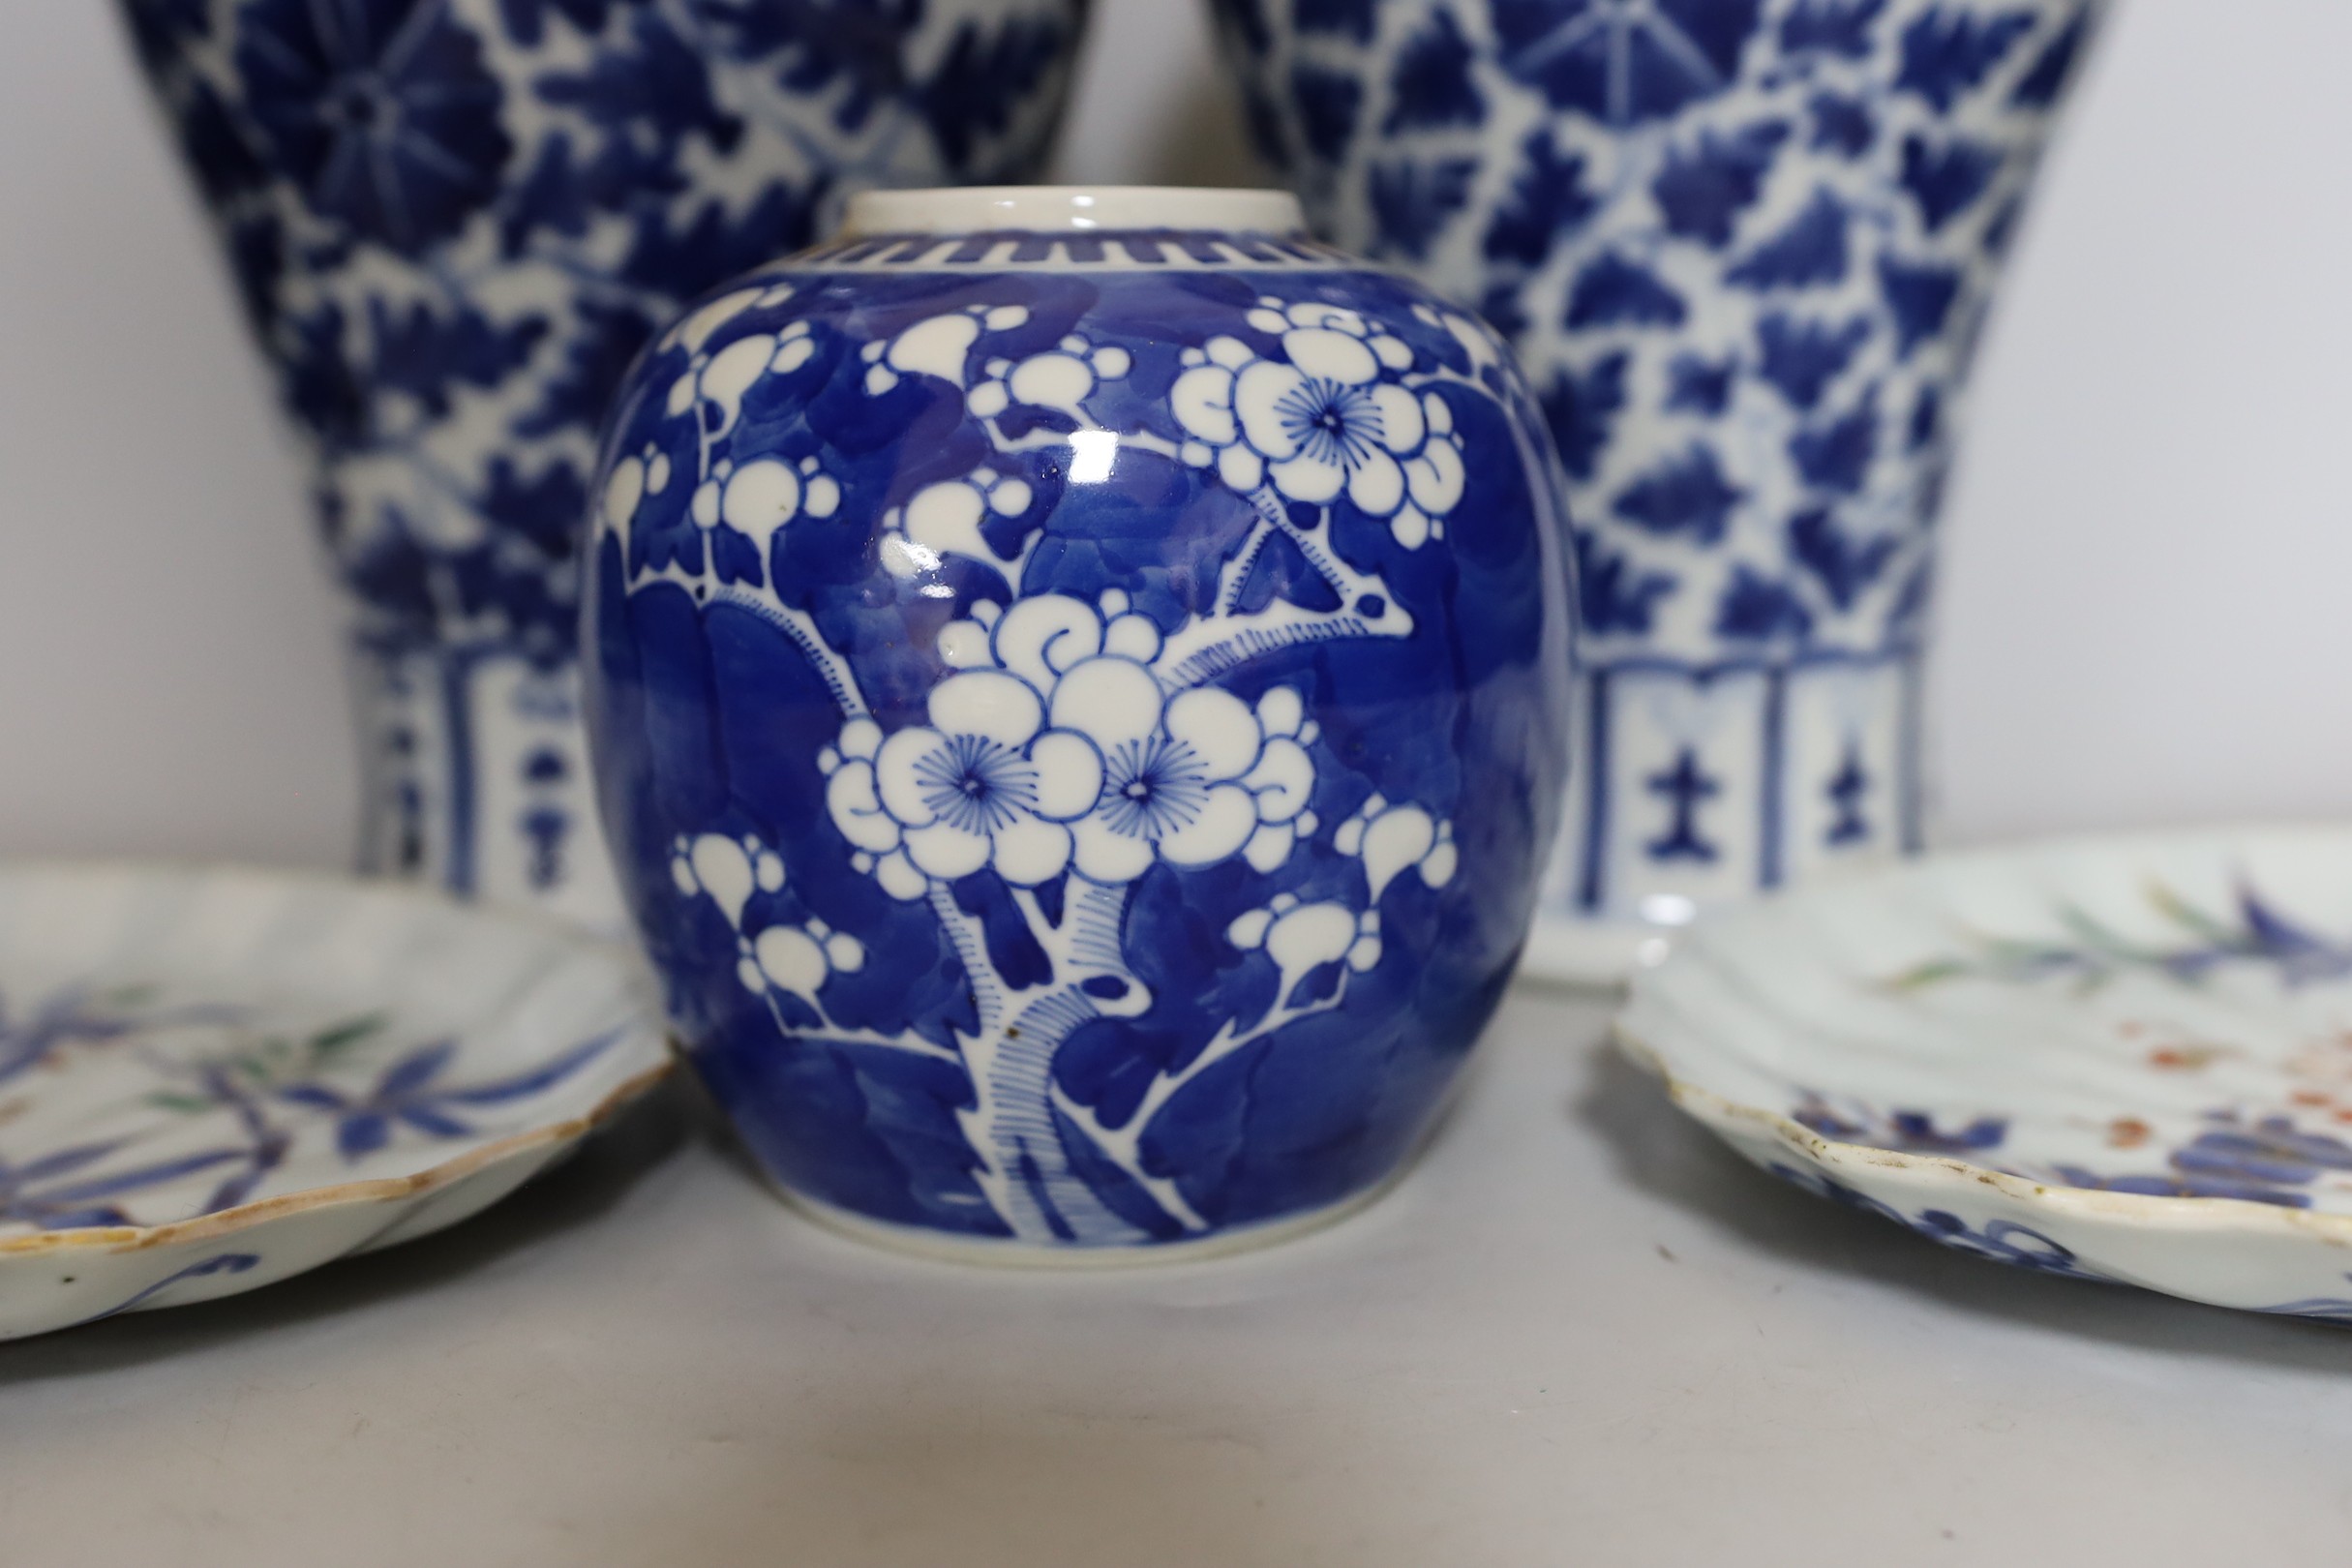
(1069,209)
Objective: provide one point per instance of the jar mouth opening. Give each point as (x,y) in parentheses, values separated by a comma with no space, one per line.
(1069,209)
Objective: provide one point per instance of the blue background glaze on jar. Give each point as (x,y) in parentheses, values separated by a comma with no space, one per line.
(718,736)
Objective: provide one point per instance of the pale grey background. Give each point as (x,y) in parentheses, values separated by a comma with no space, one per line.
(2147,564)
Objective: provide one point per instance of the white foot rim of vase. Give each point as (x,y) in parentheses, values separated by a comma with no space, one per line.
(941,1246)
(1590,954)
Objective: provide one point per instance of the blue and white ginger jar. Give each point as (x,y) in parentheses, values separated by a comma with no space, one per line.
(1078,682)
(1744,249)
(452,224)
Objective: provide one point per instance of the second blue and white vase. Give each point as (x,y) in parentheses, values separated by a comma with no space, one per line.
(452,224)
(1744,249)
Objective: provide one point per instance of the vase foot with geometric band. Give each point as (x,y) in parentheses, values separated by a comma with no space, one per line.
(1702,785)
(474,777)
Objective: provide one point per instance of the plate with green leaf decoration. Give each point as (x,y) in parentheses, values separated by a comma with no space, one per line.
(211,1079)
(2124,1058)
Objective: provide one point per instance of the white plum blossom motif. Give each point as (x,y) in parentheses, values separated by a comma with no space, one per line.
(1302,937)
(762,496)
(631,481)
(715,384)
(1328,418)
(698,326)
(1056,745)
(1282,779)
(798,960)
(945,519)
(1392,839)
(1192,781)
(986,785)
(1061,379)
(785,964)
(1412,460)
(937,346)
(757,497)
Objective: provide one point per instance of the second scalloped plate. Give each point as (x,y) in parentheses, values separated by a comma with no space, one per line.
(2125,1059)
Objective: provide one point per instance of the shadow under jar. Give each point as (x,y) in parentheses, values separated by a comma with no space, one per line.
(1078,686)
(452,224)
(1744,249)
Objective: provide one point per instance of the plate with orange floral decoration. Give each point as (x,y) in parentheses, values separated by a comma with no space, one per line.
(2124,1059)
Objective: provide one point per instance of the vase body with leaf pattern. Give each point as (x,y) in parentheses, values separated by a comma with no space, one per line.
(1744,249)
(452,223)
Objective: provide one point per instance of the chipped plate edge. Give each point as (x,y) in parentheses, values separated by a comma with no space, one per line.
(2222,1251)
(131,1268)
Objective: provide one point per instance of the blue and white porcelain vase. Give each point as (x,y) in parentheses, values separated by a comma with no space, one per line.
(1744,249)
(1078,690)
(452,224)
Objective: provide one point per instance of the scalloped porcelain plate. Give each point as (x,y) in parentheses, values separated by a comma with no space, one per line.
(2124,1058)
(211,1079)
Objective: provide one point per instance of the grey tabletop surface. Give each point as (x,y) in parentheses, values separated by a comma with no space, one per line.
(1579,1333)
